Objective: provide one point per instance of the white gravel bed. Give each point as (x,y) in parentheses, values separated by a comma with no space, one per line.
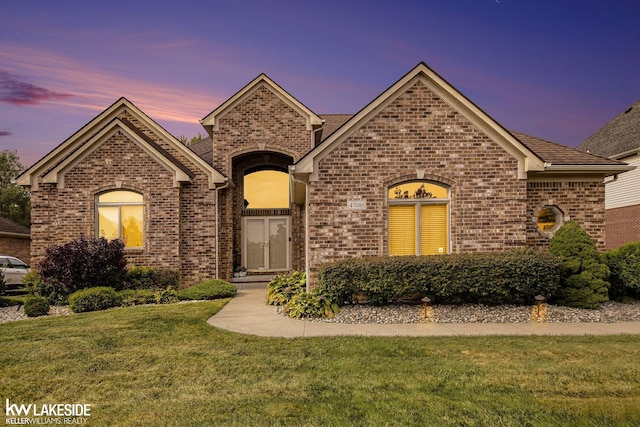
(410,313)
(13,313)
(478,313)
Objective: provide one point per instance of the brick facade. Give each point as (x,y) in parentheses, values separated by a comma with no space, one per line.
(416,131)
(179,225)
(18,247)
(261,130)
(622,226)
(582,202)
(420,128)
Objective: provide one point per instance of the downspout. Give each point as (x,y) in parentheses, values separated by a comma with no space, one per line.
(292,171)
(217,242)
(615,178)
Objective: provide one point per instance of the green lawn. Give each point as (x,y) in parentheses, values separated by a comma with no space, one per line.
(163,365)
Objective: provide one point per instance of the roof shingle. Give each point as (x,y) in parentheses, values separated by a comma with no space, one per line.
(620,135)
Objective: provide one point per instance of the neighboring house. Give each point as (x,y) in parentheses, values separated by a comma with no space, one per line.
(620,140)
(419,170)
(14,240)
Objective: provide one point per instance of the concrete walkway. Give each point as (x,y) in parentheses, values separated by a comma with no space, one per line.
(247,313)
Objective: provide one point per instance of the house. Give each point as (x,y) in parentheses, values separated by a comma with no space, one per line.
(620,140)
(14,240)
(419,170)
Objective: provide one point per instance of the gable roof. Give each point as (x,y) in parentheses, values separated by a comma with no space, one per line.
(618,138)
(534,155)
(211,121)
(558,154)
(52,167)
(12,229)
(204,149)
(527,160)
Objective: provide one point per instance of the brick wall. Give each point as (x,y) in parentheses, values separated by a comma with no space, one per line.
(622,226)
(418,130)
(18,247)
(262,129)
(179,223)
(582,202)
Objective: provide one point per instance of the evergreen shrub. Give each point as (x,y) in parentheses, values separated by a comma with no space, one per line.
(211,289)
(624,264)
(150,278)
(584,273)
(93,299)
(513,277)
(35,306)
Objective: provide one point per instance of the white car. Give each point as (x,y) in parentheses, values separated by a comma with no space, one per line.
(13,269)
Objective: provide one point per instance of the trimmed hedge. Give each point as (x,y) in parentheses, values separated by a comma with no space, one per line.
(36,306)
(93,299)
(150,278)
(211,289)
(513,277)
(624,263)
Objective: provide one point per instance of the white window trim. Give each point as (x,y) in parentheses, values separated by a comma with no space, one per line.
(119,206)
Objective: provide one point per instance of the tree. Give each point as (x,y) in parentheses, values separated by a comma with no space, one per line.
(183,139)
(584,273)
(15,201)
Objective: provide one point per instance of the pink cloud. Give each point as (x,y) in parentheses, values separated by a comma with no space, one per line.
(17,92)
(5,133)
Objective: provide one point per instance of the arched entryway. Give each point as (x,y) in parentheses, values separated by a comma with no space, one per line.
(264,220)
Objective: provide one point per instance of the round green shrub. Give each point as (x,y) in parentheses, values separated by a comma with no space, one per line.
(35,306)
(624,263)
(583,274)
(93,299)
(211,289)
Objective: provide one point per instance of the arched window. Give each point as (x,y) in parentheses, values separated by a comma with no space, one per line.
(418,219)
(120,215)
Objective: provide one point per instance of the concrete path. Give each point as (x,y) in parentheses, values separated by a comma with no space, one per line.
(247,313)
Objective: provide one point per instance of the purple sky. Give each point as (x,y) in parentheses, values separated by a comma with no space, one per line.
(556,69)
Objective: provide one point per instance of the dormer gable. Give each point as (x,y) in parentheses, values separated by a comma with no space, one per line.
(211,121)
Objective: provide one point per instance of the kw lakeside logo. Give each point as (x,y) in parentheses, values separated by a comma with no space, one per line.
(43,414)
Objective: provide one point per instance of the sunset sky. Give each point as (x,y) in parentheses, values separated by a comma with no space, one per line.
(556,69)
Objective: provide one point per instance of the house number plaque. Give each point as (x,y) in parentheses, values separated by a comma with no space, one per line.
(356,204)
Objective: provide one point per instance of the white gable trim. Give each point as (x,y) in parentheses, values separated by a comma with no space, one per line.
(56,175)
(527,160)
(66,149)
(212,120)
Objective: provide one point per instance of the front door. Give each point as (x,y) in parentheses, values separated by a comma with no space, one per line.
(266,244)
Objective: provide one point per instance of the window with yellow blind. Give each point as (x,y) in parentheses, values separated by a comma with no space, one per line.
(418,219)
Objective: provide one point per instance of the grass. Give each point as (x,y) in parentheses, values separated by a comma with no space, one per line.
(163,366)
